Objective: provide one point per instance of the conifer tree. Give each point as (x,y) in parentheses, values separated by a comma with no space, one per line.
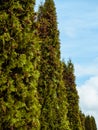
(90,123)
(62,103)
(72,96)
(82,118)
(53,111)
(19,48)
(93,122)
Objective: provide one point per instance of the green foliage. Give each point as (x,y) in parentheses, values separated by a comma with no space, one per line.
(53,112)
(72,96)
(19,48)
(37,90)
(82,118)
(93,122)
(90,123)
(63,123)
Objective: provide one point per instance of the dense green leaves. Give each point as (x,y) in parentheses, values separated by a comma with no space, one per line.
(37,90)
(53,112)
(72,96)
(20,108)
(90,123)
(82,118)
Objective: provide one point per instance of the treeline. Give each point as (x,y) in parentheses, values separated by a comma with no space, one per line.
(37,89)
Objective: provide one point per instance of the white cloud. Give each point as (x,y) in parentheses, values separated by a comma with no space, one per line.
(88,90)
(78,23)
(86,70)
(88,93)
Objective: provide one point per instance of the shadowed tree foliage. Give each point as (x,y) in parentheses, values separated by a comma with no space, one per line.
(93,122)
(90,123)
(82,118)
(62,103)
(19,48)
(53,111)
(72,96)
(32,74)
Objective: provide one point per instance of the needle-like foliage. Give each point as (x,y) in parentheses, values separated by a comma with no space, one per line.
(19,48)
(53,111)
(72,96)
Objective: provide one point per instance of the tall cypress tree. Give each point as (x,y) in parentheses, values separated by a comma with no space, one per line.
(90,123)
(82,118)
(72,96)
(19,74)
(50,82)
(62,103)
(93,122)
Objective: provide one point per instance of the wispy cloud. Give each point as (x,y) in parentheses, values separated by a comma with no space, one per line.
(88,93)
(88,90)
(78,24)
(80,21)
(86,70)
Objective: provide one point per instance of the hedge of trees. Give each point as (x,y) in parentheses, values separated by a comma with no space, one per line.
(37,89)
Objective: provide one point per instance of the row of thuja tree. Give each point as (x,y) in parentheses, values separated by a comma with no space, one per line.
(37,89)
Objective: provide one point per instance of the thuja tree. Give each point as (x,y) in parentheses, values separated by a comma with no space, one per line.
(50,81)
(90,123)
(82,118)
(62,103)
(19,48)
(93,122)
(72,96)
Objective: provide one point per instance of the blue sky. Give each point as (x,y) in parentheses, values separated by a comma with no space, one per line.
(78,26)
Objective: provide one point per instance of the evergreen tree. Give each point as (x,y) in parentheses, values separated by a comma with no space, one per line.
(53,111)
(19,74)
(62,103)
(72,96)
(90,123)
(93,122)
(82,118)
